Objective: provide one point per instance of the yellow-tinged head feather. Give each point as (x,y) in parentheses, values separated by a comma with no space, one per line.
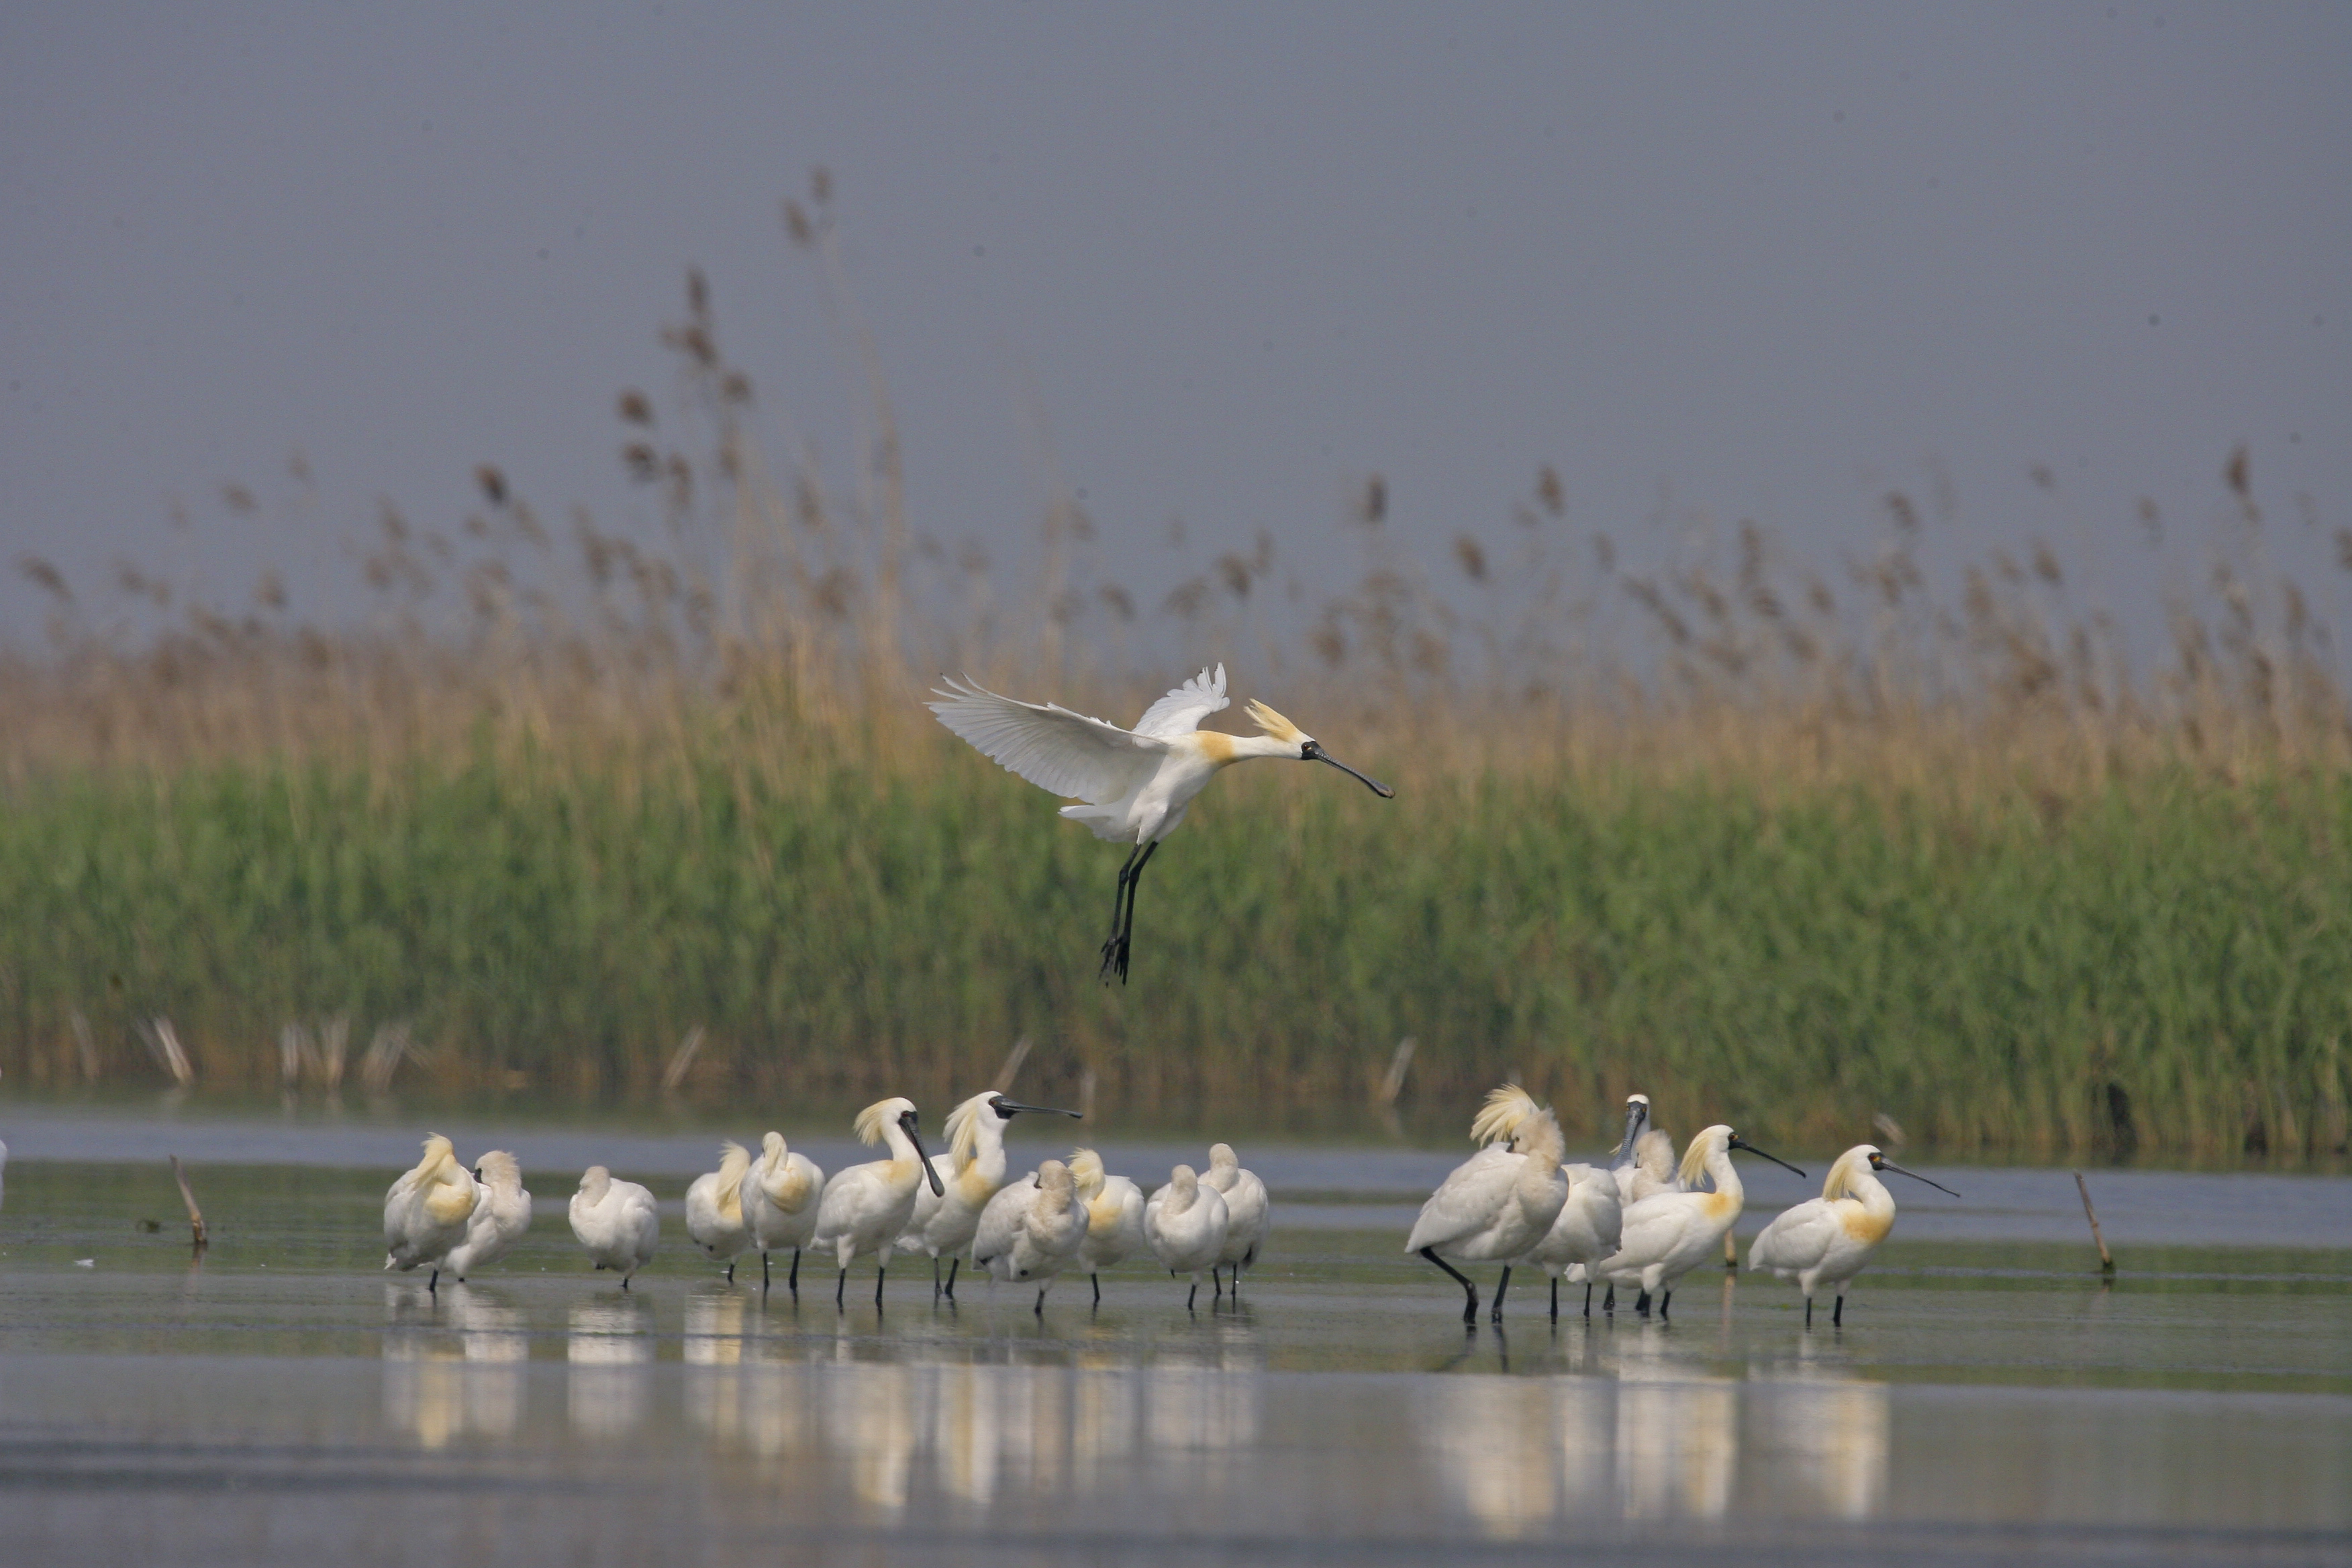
(963,1128)
(1505,1108)
(1702,1148)
(871,1120)
(1274,723)
(734,1161)
(438,1152)
(1850,1164)
(1086,1170)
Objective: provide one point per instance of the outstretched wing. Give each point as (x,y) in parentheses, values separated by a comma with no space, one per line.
(1181,712)
(1053,748)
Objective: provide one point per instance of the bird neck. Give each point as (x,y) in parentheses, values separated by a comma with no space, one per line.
(1725,1174)
(1225,750)
(906,1164)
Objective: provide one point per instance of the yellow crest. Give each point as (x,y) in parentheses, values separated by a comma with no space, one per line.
(963,1128)
(1086,1170)
(873,1119)
(1274,723)
(1505,1108)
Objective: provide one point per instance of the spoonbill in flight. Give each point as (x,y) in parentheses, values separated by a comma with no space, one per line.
(1499,1202)
(1135,784)
(865,1207)
(973,1168)
(1826,1240)
(427,1210)
(1667,1235)
(779,1200)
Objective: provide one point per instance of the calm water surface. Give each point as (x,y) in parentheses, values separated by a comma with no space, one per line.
(283,1400)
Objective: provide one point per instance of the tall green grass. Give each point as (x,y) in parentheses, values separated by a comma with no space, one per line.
(2162,964)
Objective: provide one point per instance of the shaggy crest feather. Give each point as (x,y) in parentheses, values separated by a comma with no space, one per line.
(1272,723)
(734,1161)
(872,1119)
(1694,1166)
(963,1128)
(1850,1164)
(1087,1171)
(1505,1110)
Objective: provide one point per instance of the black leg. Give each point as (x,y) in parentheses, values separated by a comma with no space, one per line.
(1608,1303)
(1503,1285)
(1837,1313)
(1126,938)
(1642,1304)
(839,1287)
(1113,950)
(730,1271)
(1555,1297)
(1193,1295)
(625,1281)
(1097,1283)
(1665,1302)
(878,1272)
(1470,1312)
(1809,1311)
(763,1273)
(1588,1298)
(1040,1308)
(935,1276)
(433,1286)
(953,1263)
(1217,1282)
(794,1282)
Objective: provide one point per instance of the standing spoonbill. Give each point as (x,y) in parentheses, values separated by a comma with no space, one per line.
(1668,1235)
(1245,1210)
(865,1207)
(501,1214)
(972,1168)
(425,1212)
(714,1208)
(1587,1231)
(1500,1201)
(1114,1216)
(1031,1230)
(616,1221)
(1184,1222)
(780,1198)
(1826,1240)
(1136,784)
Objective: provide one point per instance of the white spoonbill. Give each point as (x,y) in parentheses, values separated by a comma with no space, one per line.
(865,1207)
(1136,783)
(616,1221)
(971,1169)
(501,1214)
(1644,1162)
(779,1196)
(1667,1236)
(1500,1201)
(714,1208)
(1114,1216)
(1826,1240)
(1586,1231)
(1184,1223)
(1031,1230)
(1246,1220)
(425,1211)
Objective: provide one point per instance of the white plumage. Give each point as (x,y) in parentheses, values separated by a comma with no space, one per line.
(865,1207)
(1496,1205)
(501,1214)
(779,1196)
(425,1212)
(616,1221)
(1667,1235)
(1114,1216)
(1032,1229)
(1246,1217)
(970,1170)
(714,1208)
(1828,1239)
(1586,1231)
(1184,1223)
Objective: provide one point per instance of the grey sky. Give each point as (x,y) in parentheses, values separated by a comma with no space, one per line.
(1766,261)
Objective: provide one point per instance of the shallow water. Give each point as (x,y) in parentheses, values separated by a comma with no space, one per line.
(1988,1398)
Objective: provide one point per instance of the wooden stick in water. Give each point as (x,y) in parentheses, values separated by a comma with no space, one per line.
(2107,1264)
(188,1196)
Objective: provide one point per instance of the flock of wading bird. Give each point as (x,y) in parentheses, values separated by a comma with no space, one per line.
(1642,1223)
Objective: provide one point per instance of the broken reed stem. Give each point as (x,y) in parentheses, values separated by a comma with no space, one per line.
(2106,1263)
(188,1196)
(1392,1082)
(683,1058)
(1019,1054)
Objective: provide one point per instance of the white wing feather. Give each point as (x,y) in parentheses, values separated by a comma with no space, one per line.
(1072,755)
(1181,712)
(1797,1239)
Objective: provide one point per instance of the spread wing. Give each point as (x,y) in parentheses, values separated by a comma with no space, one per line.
(1053,748)
(1181,712)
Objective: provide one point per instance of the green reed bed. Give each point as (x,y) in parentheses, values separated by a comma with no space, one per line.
(2161,963)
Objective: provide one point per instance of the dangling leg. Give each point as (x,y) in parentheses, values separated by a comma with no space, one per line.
(1469,1312)
(1505,1285)
(1119,903)
(953,1263)
(1126,931)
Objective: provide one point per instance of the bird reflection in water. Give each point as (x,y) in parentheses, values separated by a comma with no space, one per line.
(1826,1431)
(453,1366)
(1677,1432)
(713,1353)
(611,1352)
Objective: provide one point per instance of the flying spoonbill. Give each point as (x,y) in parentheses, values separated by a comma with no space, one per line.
(1031,1230)
(865,1207)
(1586,1231)
(616,1222)
(1245,1210)
(972,1168)
(1826,1240)
(780,1200)
(714,1208)
(1500,1201)
(425,1212)
(501,1214)
(1185,1225)
(1114,1216)
(1136,784)
(1667,1235)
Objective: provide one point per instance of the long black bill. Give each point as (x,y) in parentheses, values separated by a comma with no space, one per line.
(1635,1114)
(1886,1165)
(1007,1108)
(1743,1143)
(930,1170)
(1315,752)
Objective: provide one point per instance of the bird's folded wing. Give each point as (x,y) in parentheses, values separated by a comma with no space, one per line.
(1467,1201)
(1181,712)
(1798,1239)
(1053,748)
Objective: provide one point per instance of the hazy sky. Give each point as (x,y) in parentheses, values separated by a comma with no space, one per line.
(1730,262)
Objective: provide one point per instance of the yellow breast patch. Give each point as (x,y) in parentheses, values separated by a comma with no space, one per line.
(1864,1226)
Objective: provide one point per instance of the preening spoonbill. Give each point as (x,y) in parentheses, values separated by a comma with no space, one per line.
(1184,1222)
(1585,1232)
(501,1214)
(1668,1235)
(1826,1240)
(714,1208)
(970,1170)
(1499,1202)
(425,1212)
(616,1222)
(1245,1210)
(1114,1216)
(779,1196)
(865,1207)
(1031,1230)
(1644,1164)
(1135,784)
